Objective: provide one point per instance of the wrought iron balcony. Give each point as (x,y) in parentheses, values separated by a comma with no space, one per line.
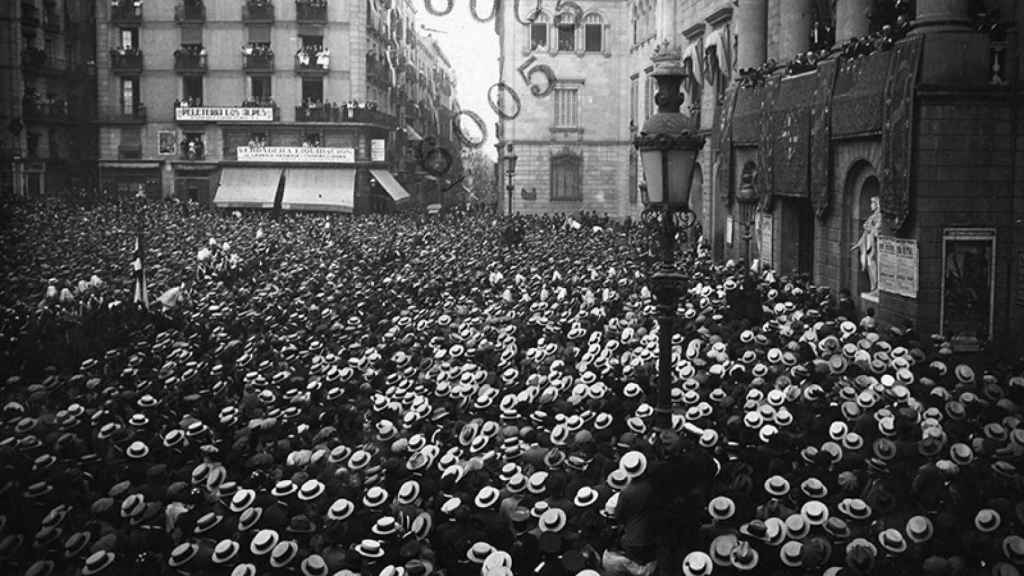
(190,12)
(135,114)
(189,62)
(258,11)
(311,11)
(126,61)
(126,12)
(51,111)
(262,62)
(312,65)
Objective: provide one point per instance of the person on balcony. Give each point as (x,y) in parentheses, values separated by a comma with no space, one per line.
(323,58)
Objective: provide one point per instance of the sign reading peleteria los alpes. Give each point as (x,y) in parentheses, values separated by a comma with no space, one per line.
(223,114)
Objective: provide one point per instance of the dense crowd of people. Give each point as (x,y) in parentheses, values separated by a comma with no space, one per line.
(411,395)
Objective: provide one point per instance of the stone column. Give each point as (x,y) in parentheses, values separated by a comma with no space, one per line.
(666,22)
(751,33)
(852,19)
(941,16)
(795,33)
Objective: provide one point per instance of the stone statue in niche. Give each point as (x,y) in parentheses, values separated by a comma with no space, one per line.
(867,244)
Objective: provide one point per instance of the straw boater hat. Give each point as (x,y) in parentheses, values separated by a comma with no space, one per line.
(553,520)
(634,463)
(721,549)
(721,508)
(892,540)
(263,542)
(776,486)
(182,554)
(919,529)
(283,553)
(225,551)
(791,554)
(744,557)
(987,520)
(97,562)
(370,549)
(697,563)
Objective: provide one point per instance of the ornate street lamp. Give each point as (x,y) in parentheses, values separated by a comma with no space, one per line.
(668,146)
(511,159)
(746,197)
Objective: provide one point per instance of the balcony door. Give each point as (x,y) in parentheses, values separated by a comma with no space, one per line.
(130,97)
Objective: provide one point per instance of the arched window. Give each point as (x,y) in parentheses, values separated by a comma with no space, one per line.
(566,32)
(593,32)
(539,32)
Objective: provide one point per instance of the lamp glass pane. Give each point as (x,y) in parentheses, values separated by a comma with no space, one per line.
(651,160)
(680,171)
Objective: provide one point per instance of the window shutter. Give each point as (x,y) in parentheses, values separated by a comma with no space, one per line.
(259,33)
(191,35)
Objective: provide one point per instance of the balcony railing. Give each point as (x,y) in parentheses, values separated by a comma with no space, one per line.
(311,11)
(190,12)
(342,113)
(189,62)
(308,64)
(126,12)
(258,11)
(126,61)
(52,111)
(136,114)
(258,62)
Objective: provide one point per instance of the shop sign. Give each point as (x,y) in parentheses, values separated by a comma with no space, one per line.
(222,114)
(897,266)
(296,154)
(378,150)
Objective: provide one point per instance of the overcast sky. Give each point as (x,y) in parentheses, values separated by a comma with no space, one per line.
(472,48)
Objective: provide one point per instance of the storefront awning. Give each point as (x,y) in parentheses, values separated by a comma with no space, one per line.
(247,188)
(321,189)
(393,188)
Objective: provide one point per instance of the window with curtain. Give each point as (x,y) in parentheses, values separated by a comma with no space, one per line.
(593,30)
(259,33)
(192,88)
(260,88)
(566,177)
(129,95)
(539,32)
(566,33)
(129,38)
(567,107)
(634,99)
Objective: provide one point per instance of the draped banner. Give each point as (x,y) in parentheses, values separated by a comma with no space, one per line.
(792,149)
(821,136)
(723,146)
(766,145)
(898,132)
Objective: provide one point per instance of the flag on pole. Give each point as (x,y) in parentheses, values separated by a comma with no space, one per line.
(141,293)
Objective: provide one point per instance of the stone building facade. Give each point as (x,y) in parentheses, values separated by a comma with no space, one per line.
(316,97)
(571,139)
(47,97)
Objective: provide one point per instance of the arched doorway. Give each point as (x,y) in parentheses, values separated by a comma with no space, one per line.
(861,186)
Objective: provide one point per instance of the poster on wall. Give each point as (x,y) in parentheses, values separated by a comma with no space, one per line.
(765,222)
(728,230)
(897,266)
(968,286)
(378,150)
(167,142)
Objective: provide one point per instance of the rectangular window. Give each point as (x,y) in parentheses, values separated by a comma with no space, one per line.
(259,33)
(313,43)
(538,35)
(129,37)
(313,90)
(566,177)
(191,35)
(260,88)
(650,88)
(592,37)
(567,107)
(312,139)
(566,38)
(634,100)
(129,95)
(192,89)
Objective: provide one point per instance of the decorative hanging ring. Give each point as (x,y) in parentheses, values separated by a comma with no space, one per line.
(473,12)
(496,102)
(437,162)
(549,75)
(530,18)
(429,6)
(481,128)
